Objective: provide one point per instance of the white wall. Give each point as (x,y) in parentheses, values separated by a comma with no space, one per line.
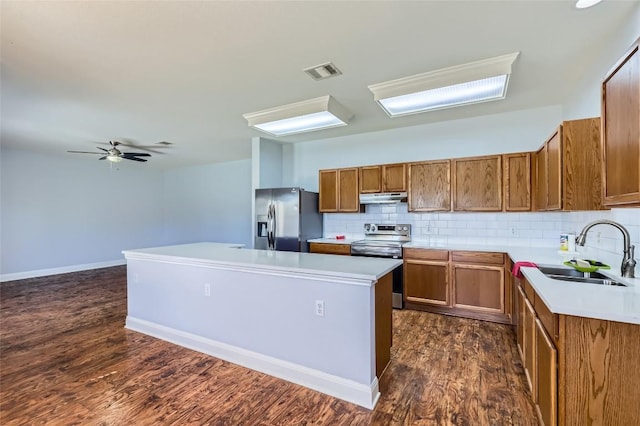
(62,214)
(68,211)
(499,133)
(585,101)
(209,203)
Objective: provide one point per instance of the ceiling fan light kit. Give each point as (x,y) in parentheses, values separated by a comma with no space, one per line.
(475,82)
(300,117)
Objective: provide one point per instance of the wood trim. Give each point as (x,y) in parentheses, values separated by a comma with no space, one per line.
(548,319)
(459,312)
(383,321)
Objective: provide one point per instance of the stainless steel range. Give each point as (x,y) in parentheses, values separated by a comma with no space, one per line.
(384,240)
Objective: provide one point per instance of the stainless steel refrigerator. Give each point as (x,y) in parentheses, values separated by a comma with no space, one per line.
(286,218)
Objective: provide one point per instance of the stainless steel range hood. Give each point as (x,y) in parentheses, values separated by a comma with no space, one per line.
(383,198)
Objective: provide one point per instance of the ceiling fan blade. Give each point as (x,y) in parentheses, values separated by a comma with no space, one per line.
(150,148)
(103,158)
(84,152)
(105,150)
(134,158)
(137,154)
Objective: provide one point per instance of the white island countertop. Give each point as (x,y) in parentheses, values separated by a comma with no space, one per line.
(353,270)
(610,303)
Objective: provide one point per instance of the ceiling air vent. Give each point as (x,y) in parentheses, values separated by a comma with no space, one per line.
(320,72)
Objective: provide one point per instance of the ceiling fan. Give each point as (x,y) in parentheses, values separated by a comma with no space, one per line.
(115,155)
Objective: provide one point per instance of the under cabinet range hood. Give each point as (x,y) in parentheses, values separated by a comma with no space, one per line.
(383,198)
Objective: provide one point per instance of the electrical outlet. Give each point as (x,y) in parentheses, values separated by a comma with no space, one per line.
(598,237)
(514,232)
(207,289)
(320,308)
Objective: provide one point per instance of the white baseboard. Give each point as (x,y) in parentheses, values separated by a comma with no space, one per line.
(365,395)
(61,270)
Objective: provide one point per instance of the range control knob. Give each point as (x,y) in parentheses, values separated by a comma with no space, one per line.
(373,228)
(367,227)
(404,228)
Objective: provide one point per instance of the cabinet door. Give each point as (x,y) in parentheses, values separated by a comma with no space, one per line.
(394,178)
(546,377)
(478,287)
(426,282)
(520,303)
(430,186)
(517,181)
(328,189)
(621,131)
(582,165)
(530,348)
(541,178)
(348,190)
(370,179)
(477,184)
(554,171)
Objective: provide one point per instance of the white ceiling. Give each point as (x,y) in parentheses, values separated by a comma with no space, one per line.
(77,74)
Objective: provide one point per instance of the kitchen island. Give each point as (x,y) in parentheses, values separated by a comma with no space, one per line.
(317,320)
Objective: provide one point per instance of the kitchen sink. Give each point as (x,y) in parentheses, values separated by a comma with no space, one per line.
(573,275)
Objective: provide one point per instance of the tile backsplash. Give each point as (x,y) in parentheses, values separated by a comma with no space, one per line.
(532,229)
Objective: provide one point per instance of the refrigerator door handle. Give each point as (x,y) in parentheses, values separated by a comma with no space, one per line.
(270,228)
(273,228)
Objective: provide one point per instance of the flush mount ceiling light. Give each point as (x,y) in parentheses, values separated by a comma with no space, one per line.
(306,116)
(471,83)
(583,4)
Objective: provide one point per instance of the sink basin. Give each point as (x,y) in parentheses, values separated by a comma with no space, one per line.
(572,275)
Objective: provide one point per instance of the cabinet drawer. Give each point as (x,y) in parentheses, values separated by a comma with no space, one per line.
(425,254)
(326,248)
(548,319)
(477,257)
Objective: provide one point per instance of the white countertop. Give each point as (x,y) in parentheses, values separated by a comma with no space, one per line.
(562,297)
(333,240)
(354,270)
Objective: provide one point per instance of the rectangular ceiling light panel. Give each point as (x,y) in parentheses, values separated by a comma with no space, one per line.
(466,84)
(306,116)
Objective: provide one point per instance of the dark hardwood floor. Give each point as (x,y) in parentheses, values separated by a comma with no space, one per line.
(66,358)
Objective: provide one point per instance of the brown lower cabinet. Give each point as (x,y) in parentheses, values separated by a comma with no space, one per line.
(461,283)
(580,370)
(330,248)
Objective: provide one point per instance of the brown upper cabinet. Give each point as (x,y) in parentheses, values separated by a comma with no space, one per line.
(370,179)
(339,190)
(568,168)
(516,181)
(621,131)
(429,186)
(383,178)
(477,183)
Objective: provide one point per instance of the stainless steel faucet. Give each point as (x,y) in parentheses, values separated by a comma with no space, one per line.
(627,269)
